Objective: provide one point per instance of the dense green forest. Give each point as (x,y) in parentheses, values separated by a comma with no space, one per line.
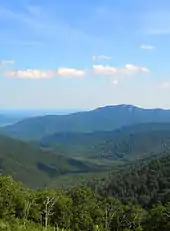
(78,209)
(66,159)
(145,183)
(124,144)
(132,197)
(88,180)
(23,160)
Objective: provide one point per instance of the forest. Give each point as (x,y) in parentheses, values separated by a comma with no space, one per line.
(136,198)
(116,180)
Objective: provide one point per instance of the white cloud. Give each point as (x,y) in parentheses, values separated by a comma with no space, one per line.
(147,47)
(104,70)
(116,73)
(70,72)
(111,71)
(43,74)
(132,68)
(29,74)
(101,57)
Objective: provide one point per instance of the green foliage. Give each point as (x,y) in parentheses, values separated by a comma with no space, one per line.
(132,197)
(64,154)
(125,144)
(11,200)
(78,209)
(23,160)
(146,182)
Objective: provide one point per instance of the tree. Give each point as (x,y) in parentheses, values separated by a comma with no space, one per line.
(46,200)
(11,197)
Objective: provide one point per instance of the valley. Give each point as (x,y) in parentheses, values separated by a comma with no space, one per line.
(63,156)
(121,168)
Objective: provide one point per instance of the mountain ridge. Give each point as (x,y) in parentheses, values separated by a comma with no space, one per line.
(133,140)
(106,118)
(36,167)
(66,154)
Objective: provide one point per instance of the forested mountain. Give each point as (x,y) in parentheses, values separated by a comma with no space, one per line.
(145,182)
(78,209)
(69,153)
(126,172)
(34,167)
(133,195)
(131,142)
(104,119)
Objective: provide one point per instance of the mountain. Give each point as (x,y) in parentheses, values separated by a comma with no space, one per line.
(146,182)
(125,144)
(35,167)
(8,119)
(11,116)
(59,157)
(105,119)
(110,150)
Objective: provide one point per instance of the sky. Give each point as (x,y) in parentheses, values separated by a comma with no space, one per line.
(84,54)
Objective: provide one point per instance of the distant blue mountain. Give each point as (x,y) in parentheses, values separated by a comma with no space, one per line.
(36,112)
(101,119)
(9,119)
(11,116)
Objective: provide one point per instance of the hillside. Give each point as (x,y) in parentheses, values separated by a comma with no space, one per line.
(77,209)
(110,150)
(102,119)
(146,182)
(125,144)
(63,157)
(34,167)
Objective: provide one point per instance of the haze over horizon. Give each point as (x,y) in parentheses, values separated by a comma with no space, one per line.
(23,113)
(84,55)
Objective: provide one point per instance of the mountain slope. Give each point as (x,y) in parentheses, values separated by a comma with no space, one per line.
(34,167)
(146,183)
(128,143)
(104,119)
(40,164)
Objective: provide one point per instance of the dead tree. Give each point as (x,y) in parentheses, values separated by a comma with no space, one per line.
(48,211)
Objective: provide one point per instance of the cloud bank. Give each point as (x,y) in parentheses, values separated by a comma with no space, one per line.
(109,70)
(99,70)
(118,73)
(44,74)
(29,74)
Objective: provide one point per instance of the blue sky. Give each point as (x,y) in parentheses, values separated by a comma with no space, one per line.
(84,54)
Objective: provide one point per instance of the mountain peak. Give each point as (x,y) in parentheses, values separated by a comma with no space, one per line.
(126,106)
(104,119)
